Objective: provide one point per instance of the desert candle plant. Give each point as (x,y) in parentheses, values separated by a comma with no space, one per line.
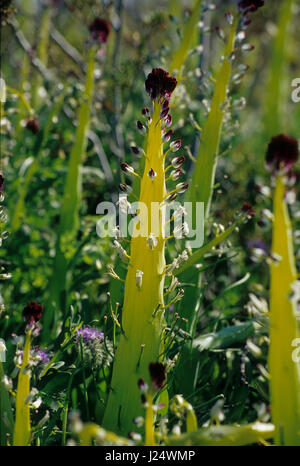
(282,153)
(143,309)
(22,429)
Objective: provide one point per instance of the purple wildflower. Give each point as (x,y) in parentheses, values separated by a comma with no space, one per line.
(89,334)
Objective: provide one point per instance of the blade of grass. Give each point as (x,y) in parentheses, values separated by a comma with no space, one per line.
(6,415)
(224,435)
(277,72)
(203,177)
(69,219)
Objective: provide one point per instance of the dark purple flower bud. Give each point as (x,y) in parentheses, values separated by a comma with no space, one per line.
(137,150)
(141,128)
(175,145)
(229,18)
(181,187)
(166,136)
(100,29)
(282,153)
(32,313)
(33,125)
(157,374)
(172,197)
(250,5)
(1,182)
(164,112)
(160,84)
(175,174)
(152,174)
(248,209)
(145,112)
(127,168)
(125,188)
(168,120)
(143,387)
(178,161)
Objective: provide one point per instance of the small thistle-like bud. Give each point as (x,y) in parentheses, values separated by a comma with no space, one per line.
(166,136)
(140,127)
(127,168)
(178,161)
(32,313)
(151,241)
(176,174)
(157,374)
(175,145)
(139,278)
(32,125)
(152,174)
(181,187)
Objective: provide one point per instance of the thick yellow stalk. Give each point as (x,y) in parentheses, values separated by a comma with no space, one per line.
(284,372)
(141,321)
(22,423)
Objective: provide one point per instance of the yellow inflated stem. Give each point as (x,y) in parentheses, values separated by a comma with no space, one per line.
(284,372)
(142,318)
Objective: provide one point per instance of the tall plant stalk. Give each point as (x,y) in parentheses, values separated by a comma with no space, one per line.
(284,371)
(141,321)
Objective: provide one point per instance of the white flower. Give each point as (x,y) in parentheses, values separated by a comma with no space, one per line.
(121,251)
(2,91)
(2,346)
(181,231)
(179,212)
(139,278)
(123,204)
(151,241)
(7,382)
(295,287)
